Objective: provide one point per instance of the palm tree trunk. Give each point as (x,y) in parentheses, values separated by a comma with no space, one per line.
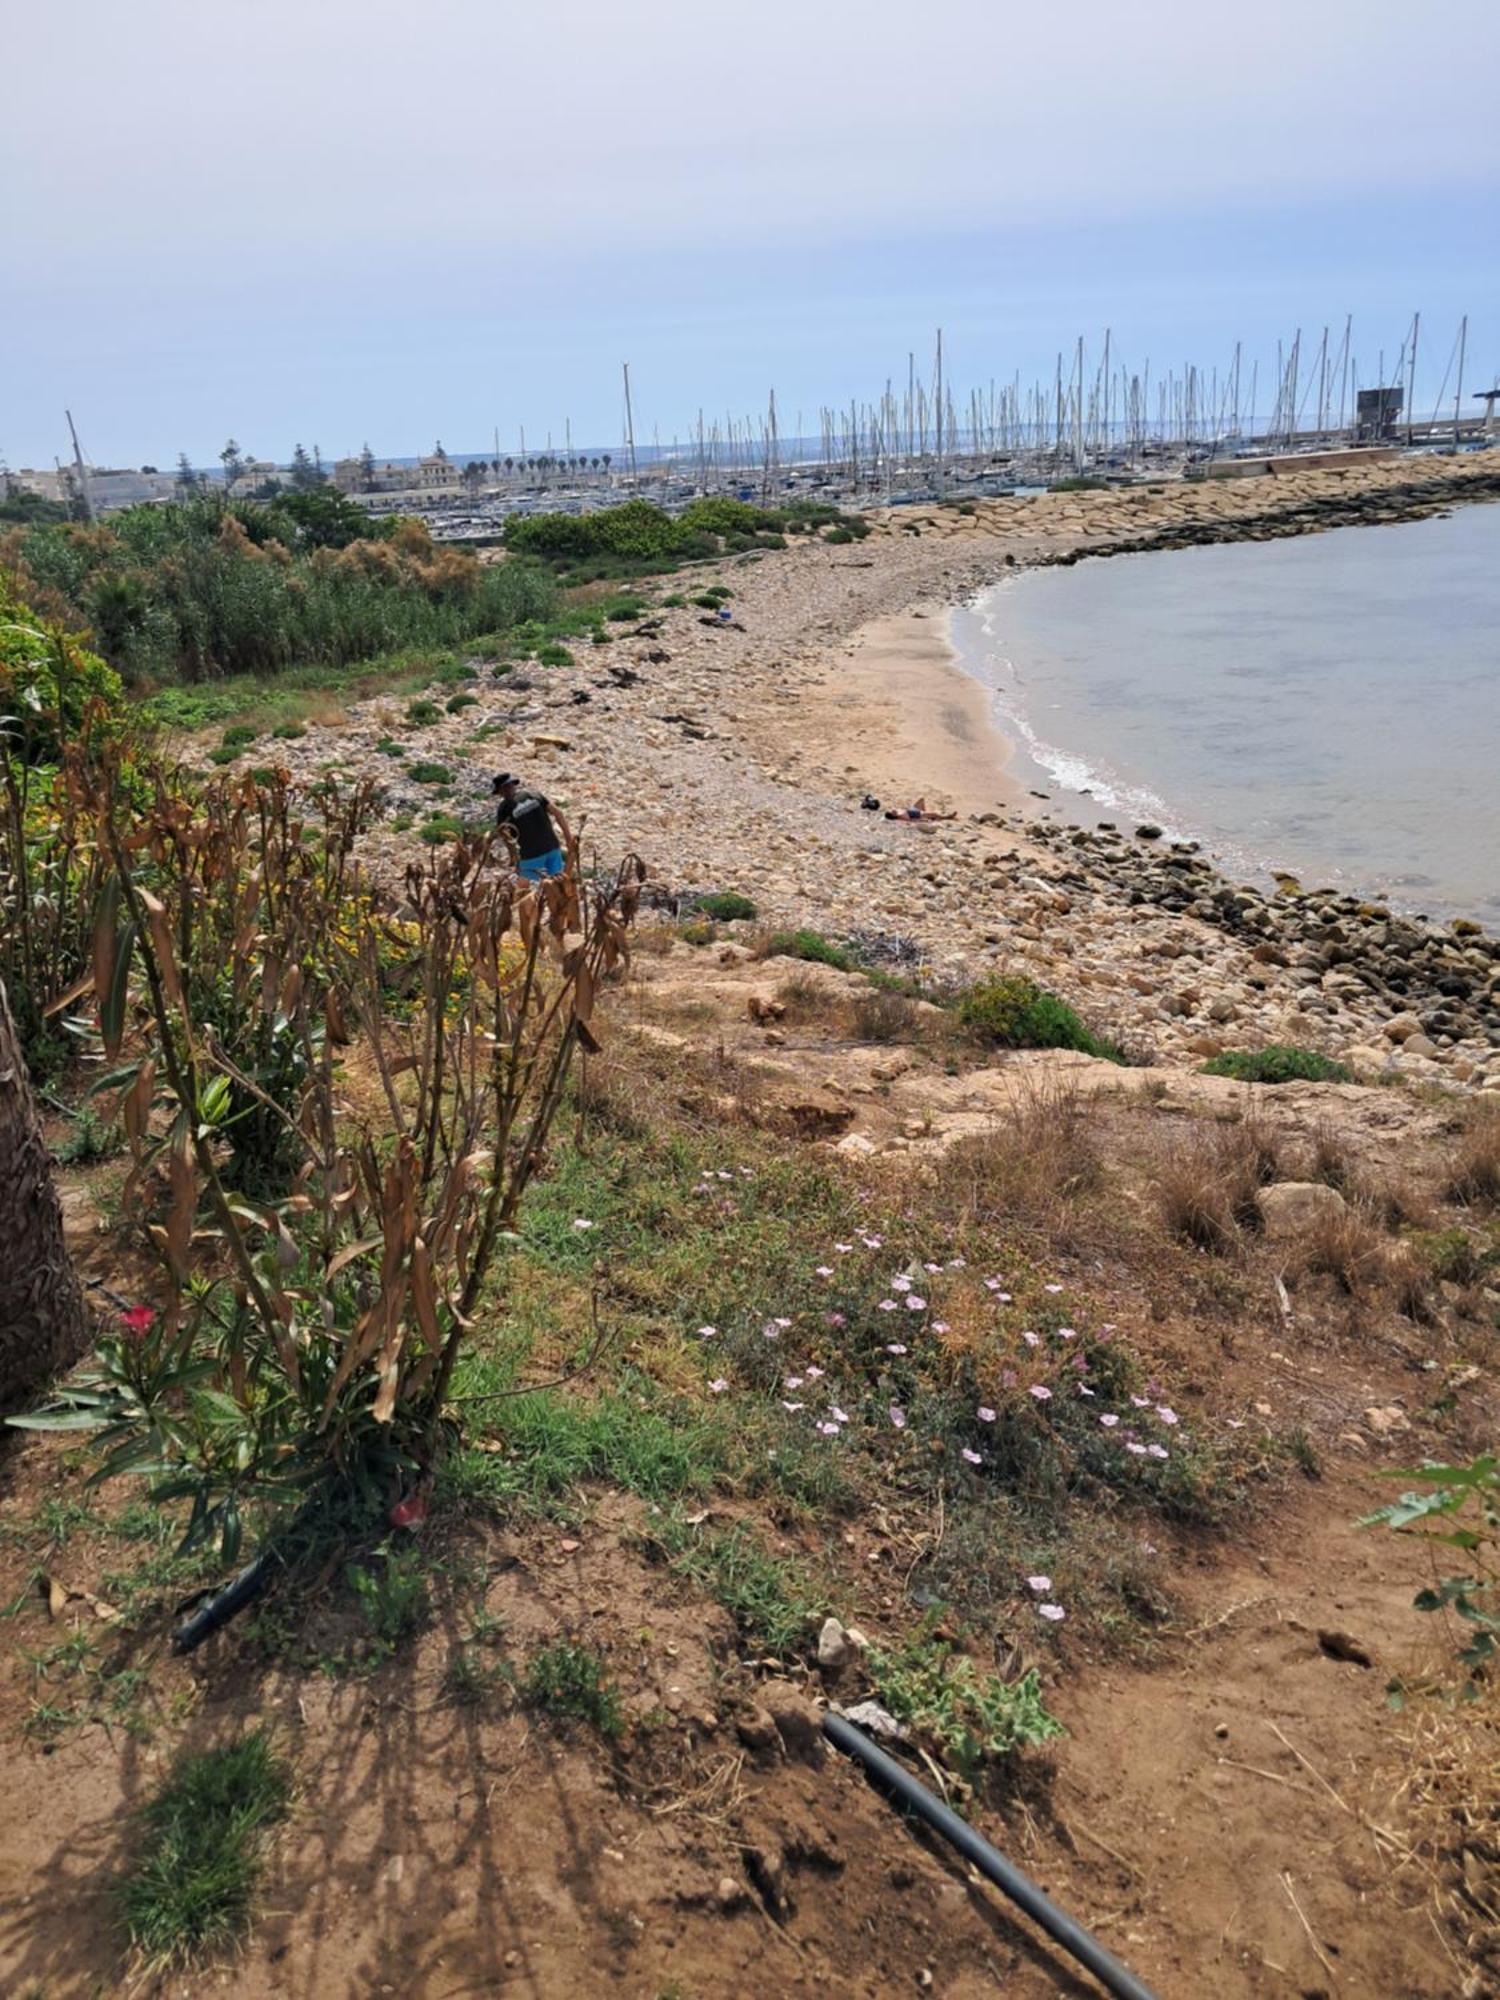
(44,1325)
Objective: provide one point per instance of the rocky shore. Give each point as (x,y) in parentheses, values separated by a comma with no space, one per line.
(735,756)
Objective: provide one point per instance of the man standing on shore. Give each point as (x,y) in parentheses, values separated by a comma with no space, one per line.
(530,817)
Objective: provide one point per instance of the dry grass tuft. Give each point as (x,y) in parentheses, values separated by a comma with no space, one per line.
(1207,1182)
(1352,1248)
(1038,1160)
(1473,1177)
(1449,1812)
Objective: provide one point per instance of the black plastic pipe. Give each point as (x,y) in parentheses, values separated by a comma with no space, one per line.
(990,1862)
(223,1605)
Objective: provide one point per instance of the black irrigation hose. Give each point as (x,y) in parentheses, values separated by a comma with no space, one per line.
(1060,1927)
(222,1606)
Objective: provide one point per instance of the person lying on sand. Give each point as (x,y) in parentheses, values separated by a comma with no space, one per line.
(919,815)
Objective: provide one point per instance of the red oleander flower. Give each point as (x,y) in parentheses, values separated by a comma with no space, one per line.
(138,1321)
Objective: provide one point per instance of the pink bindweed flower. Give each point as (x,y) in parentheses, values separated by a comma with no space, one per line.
(1040,1584)
(1032,1339)
(1141,1402)
(901,1284)
(1167,1416)
(993,1284)
(894,1347)
(707,1332)
(984,1414)
(843,1248)
(887,1306)
(1052,1288)
(1067,1333)
(932,1269)
(839,1416)
(1053,1611)
(1235,1423)
(1138,1449)
(792,1406)
(1108,1419)
(582,1222)
(770,1331)
(1157,1451)
(972,1456)
(1008,1378)
(958,1263)
(1042,1393)
(791,1381)
(1084,1389)
(813,1372)
(719,1385)
(829,1430)
(898,1416)
(836,1319)
(825,1270)
(940,1326)
(914,1304)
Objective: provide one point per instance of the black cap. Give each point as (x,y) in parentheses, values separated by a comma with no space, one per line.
(503,779)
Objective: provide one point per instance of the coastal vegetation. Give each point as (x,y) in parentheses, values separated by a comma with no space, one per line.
(638,538)
(204,588)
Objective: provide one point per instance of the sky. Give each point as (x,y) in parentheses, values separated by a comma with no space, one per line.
(346,220)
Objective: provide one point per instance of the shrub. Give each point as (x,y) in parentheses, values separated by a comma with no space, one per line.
(289,732)
(201,588)
(1277,1064)
(389,747)
(811,945)
(422,714)
(456,702)
(1011,1011)
(430,774)
(553,655)
(238,735)
(726,906)
(48,682)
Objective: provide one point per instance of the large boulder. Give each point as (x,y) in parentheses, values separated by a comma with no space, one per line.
(1291,1208)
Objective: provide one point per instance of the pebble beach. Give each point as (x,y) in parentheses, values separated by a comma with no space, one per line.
(735,756)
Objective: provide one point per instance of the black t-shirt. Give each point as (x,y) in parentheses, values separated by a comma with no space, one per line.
(527,813)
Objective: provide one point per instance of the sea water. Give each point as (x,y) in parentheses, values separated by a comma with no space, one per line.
(1328,706)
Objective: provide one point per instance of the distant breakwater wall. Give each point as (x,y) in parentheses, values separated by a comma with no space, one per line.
(1413,500)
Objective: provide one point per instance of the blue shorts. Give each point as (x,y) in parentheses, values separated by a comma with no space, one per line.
(541,865)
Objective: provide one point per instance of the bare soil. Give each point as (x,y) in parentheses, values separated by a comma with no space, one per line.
(1221,1811)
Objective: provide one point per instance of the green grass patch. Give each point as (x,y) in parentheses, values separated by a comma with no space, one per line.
(1278,1063)
(810,945)
(430,774)
(569,1681)
(726,906)
(191,1890)
(422,714)
(771,1603)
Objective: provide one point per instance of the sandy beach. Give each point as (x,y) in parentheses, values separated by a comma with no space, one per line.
(895,714)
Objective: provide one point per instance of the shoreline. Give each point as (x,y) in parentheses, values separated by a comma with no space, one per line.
(734,758)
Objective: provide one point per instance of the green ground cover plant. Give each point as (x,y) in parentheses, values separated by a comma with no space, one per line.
(1277,1064)
(192,1888)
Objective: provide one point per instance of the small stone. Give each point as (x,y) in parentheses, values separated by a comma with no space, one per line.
(834,1650)
(1386,1420)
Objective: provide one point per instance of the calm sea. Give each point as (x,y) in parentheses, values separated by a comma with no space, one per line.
(1329,706)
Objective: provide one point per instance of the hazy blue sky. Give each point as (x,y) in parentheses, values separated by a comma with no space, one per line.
(334,221)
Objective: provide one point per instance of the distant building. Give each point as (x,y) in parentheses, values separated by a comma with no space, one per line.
(1377,413)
